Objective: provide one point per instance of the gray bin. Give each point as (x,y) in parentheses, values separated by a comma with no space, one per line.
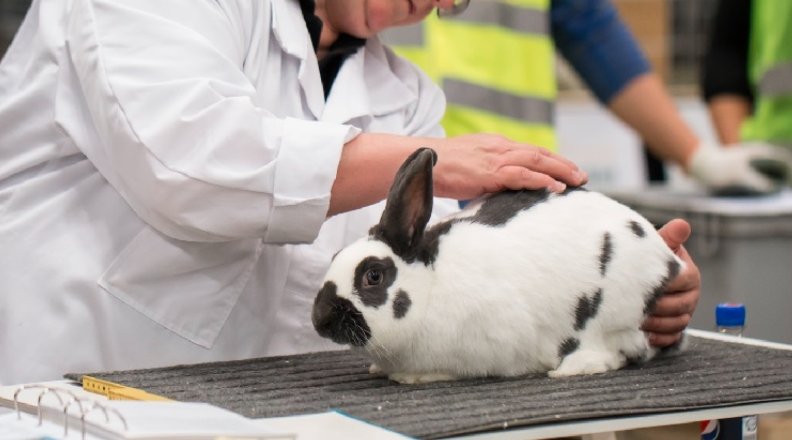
(743,247)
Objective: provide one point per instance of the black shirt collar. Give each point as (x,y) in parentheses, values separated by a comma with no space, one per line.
(337,53)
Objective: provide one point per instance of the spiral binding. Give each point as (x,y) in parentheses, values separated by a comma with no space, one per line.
(86,406)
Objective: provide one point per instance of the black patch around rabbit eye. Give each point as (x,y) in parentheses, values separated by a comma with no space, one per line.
(568,346)
(338,319)
(587,308)
(673,268)
(637,229)
(606,252)
(374,295)
(401,304)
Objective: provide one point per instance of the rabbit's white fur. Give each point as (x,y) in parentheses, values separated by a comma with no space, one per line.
(505,300)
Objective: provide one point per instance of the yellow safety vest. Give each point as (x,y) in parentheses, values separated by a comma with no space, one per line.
(770,72)
(495,63)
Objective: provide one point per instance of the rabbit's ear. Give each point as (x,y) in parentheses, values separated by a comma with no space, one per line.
(409,203)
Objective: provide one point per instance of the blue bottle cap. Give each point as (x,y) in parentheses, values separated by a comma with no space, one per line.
(730,314)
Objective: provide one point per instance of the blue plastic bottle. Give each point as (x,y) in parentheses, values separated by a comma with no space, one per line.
(730,319)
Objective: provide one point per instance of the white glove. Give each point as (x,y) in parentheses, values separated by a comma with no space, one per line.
(753,168)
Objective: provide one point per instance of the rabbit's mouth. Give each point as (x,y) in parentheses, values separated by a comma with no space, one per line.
(338,319)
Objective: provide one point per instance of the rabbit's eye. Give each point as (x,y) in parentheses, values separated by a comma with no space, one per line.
(373,277)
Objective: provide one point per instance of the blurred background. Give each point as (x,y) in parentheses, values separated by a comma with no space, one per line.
(673,35)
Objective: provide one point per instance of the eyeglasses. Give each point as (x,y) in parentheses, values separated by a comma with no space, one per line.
(458,8)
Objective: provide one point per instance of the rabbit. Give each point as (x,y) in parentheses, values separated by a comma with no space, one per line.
(518,282)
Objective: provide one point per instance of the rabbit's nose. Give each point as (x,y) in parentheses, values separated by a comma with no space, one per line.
(323,314)
(337,318)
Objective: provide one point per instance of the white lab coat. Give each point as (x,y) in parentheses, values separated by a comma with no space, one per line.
(160,162)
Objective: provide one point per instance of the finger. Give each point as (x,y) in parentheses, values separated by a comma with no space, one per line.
(515,177)
(765,151)
(666,325)
(758,182)
(676,303)
(545,162)
(675,233)
(560,158)
(663,340)
(687,282)
(516,149)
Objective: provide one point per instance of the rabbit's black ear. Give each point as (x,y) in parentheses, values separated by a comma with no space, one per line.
(409,204)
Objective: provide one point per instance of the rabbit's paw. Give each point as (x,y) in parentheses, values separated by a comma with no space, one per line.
(414,378)
(587,362)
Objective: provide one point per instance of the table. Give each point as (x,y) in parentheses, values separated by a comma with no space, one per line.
(718,377)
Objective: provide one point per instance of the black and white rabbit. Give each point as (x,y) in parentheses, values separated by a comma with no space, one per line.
(519,282)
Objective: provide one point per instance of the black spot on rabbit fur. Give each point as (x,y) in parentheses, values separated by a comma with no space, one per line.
(497,210)
(568,346)
(587,308)
(338,319)
(373,276)
(637,229)
(501,207)
(427,251)
(606,252)
(654,295)
(401,304)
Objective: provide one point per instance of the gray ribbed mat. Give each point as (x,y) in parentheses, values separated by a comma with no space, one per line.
(709,374)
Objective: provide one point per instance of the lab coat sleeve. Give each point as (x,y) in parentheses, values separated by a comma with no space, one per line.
(180,134)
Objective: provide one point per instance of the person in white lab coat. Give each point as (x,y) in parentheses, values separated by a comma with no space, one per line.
(175,176)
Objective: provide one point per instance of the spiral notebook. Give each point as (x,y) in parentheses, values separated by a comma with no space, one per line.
(50,411)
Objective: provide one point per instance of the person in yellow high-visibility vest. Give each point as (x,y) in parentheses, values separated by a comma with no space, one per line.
(466,54)
(747,77)
(495,63)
